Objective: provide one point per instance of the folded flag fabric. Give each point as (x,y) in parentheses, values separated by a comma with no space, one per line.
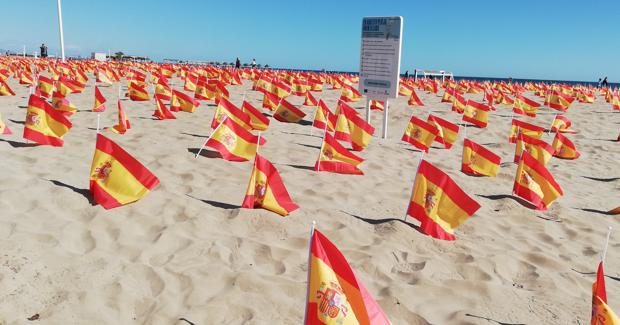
(288,113)
(564,148)
(99,101)
(123,122)
(337,159)
(183,102)
(420,134)
(534,183)
(531,130)
(447,132)
(539,149)
(476,113)
(44,124)
(601,312)
(117,178)
(259,121)
(477,160)
(266,189)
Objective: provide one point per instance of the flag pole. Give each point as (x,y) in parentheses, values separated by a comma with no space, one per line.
(318,161)
(385,118)
(62,37)
(554,117)
(210,136)
(308,275)
(606,244)
(415,177)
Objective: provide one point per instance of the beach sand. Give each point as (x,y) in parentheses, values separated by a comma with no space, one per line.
(187,250)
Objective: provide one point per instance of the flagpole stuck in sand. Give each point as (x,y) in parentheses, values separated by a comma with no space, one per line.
(415,177)
(606,245)
(209,138)
(308,275)
(62,37)
(318,161)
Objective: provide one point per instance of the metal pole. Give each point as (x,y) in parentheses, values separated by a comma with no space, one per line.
(385,119)
(62,37)
(367,109)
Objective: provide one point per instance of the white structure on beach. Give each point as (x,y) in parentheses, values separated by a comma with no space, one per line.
(432,73)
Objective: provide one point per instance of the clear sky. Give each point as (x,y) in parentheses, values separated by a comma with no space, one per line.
(546,39)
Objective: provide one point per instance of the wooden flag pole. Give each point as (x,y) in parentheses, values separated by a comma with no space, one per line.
(606,245)
(308,275)
(209,138)
(415,177)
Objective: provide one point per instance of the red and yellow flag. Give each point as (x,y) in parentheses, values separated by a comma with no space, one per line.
(161,112)
(601,313)
(270,101)
(539,149)
(564,148)
(525,106)
(350,124)
(45,86)
(62,104)
(99,101)
(123,123)
(414,100)
(163,90)
(561,124)
(558,100)
(182,102)
(447,133)
(438,203)
(350,94)
(137,92)
(337,159)
(287,112)
(323,117)
(259,121)
(44,124)
(534,183)
(476,113)
(531,130)
(266,189)
(4,129)
(458,103)
(310,100)
(335,295)
(420,134)
(227,109)
(477,160)
(117,178)
(5,90)
(377,105)
(234,142)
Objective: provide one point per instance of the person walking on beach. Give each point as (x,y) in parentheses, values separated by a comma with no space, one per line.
(600,82)
(604,83)
(238,64)
(253,63)
(407,74)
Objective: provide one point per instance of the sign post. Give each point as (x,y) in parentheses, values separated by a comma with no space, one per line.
(380,61)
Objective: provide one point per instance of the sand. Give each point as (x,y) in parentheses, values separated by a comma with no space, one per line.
(187,251)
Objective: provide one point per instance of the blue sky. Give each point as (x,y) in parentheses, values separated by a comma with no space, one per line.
(568,40)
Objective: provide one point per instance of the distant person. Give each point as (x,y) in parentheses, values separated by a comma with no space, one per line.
(600,81)
(407,74)
(238,63)
(43,50)
(604,83)
(253,63)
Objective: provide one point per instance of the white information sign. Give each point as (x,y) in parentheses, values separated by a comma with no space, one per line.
(380,57)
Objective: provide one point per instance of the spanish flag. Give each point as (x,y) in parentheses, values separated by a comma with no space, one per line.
(259,121)
(448,95)
(438,203)
(420,134)
(310,100)
(349,94)
(163,90)
(561,124)
(191,80)
(564,148)
(137,92)
(501,98)
(299,87)
(601,313)
(117,178)
(102,77)
(5,90)
(337,159)
(123,123)
(279,88)
(476,113)
(234,142)
(447,133)
(534,183)
(531,130)
(405,89)
(414,100)
(335,294)
(323,117)
(615,102)
(458,103)
(161,112)
(182,102)
(539,149)
(477,160)
(287,112)
(45,86)
(25,78)
(270,101)
(44,124)
(558,100)
(61,103)
(227,109)
(205,91)
(266,189)
(3,128)
(525,106)
(99,101)
(358,130)
(377,105)
(67,86)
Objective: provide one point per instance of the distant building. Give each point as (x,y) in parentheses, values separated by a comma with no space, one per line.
(99,56)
